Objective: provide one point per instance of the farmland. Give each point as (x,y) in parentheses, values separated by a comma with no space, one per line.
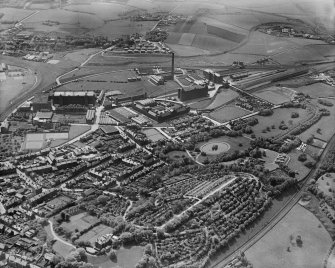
(272,249)
(17,81)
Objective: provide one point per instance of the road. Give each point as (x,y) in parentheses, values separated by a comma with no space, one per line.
(82,64)
(201,200)
(280,215)
(56,237)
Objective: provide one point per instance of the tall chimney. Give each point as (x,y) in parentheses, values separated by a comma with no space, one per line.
(172,67)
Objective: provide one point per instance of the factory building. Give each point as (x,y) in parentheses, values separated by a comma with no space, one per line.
(195,92)
(90,115)
(74,97)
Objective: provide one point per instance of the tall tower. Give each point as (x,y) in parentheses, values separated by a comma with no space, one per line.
(172,67)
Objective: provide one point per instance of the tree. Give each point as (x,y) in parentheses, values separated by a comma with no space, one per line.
(112,255)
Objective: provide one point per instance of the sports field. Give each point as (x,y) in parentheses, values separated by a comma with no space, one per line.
(126,258)
(95,233)
(317,90)
(80,221)
(278,248)
(228,113)
(37,141)
(215,148)
(272,96)
(153,134)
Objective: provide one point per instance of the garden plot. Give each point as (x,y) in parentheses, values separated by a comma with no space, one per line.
(278,248)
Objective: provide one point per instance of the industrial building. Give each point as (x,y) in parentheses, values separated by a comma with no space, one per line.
(160,111)
(73,97)
(90,115)
(195,92)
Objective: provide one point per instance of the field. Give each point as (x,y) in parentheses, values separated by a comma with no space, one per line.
(272,250)
(153,134)
(109,82)
(327,182)
(272,96)
(239,143)
(80,221)
(297,166)
(126,258)
(76,130)
(317,90)
(95,233)
(17,81)
(322,129)
(275,120)
(228,113)
(36,141)
(225,95)
(270,159)
(222,147)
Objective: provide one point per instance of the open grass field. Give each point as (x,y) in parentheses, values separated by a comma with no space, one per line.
(80,221)
(126,258)
(37,141)
(222,147)
(225,95)
(229,145)
(317,90)
(297,166)
(271,250)
(14,85)
(153,134)
(275,95)
(76,130)
(327,182)
(322,129)
(228,113)
(270,159)
(95,233)
(14,14)
(275,120)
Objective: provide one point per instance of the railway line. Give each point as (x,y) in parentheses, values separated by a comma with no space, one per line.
(281,213)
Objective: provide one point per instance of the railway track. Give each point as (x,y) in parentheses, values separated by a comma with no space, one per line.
(281,213)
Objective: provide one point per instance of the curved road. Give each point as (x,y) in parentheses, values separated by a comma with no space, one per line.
(56,237)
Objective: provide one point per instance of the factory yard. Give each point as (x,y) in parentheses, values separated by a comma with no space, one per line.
(278,248)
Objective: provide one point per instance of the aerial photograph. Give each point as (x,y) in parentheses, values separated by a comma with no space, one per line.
(167,134)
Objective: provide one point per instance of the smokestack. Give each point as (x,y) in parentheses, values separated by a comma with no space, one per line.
(172,67)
